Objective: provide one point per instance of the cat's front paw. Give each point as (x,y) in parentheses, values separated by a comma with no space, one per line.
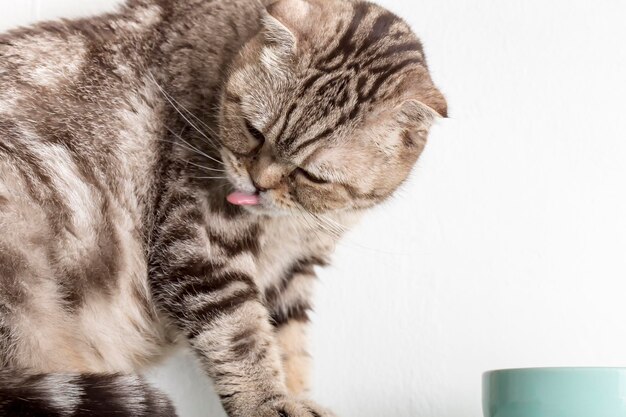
(286,407)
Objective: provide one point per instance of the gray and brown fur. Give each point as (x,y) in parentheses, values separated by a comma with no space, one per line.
(120,137)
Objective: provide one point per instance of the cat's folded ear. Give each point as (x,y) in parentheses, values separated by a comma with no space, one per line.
(424,102)
(415,119)
(417,114)
(414,113)
(286,21)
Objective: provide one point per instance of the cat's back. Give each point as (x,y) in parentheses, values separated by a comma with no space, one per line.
(77,107)
(78,157)
(40,55)
(40,150)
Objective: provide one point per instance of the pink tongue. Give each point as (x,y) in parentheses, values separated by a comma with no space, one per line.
(239,198)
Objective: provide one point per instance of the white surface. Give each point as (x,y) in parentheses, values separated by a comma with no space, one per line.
(508,246)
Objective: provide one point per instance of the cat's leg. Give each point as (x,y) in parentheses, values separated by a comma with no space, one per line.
(202,277)
(292,338)
(289,303)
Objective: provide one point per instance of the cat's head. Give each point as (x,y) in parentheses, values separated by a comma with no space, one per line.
(328,108)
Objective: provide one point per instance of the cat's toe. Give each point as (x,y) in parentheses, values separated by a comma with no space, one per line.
(315,410)
(295,408)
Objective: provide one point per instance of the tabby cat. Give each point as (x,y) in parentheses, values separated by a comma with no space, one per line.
(172,173)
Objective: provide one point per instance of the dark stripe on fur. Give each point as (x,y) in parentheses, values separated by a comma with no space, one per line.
(281,132)
(195,286)
(346,46)
(298,311)
(75,395)
(205,316)
(301,266)
(359,50)
(246,241)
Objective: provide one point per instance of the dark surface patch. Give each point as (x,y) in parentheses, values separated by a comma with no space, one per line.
(309,82)
(101,395)
(198,267)
(395,49)
(314,413)
(247,241)
(279,136)
(305,144)
(98,272)
(98,396)
(303,266)
(144,301)
(203,317)
(208,285)
(286,122)
(244,343)
(20,405)
(229,211)
(297,311)
(407,139)
(7,338)
(380,29)
(14,266)
(181,230)
(38,183)
(346,45)
(114,395)
(384,73)
(174,199)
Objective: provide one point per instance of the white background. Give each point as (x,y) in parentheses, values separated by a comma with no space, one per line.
(507,248)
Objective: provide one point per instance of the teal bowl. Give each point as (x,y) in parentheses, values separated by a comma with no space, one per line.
(555,392)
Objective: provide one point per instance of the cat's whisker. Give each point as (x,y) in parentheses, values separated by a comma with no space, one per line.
(319,220)
(215,108)
(321,225)
(329,221)
(312,227)
(306,216)
(210,178)
(292,225)
(335,231)
(180,144)
(194,148)
(205,168)
(177,106)
(329,231)
(189,148)
(223,185)
(339,228)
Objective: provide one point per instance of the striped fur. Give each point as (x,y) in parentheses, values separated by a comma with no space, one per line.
(120,138)
(74,395)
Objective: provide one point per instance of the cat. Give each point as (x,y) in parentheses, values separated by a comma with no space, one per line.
(172,173)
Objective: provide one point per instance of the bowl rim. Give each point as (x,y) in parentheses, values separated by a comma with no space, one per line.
(555,369)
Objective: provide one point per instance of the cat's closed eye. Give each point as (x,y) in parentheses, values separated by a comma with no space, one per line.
(256,134)
(258,140)
(311,177)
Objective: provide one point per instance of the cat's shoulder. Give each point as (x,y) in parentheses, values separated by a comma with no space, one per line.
(39,54)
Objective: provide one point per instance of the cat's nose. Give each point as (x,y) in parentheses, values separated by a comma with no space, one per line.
(267,179)
(259,188)
(266,174)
